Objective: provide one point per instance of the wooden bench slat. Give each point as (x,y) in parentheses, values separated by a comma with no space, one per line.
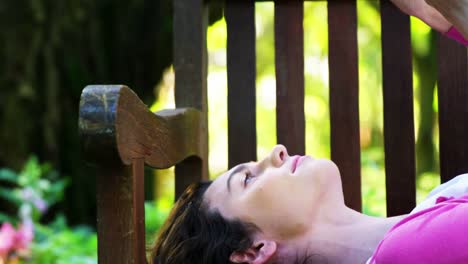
(398,110)
(344,97)
(289,59)
(115,201)
(241,73)
(190,67)
(119,188)
(119,134)
(190,53)
(453,108)
(138,214)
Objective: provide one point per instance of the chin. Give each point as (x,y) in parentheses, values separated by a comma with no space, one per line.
(325,174)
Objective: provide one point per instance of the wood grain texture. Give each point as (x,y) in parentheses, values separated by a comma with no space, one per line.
(97,115)
(190,67)
(138,214)
(241,73)
(453,108)
(113,119)
(344,97)
(115,224)
(289,59)
(398,110)
(119,134)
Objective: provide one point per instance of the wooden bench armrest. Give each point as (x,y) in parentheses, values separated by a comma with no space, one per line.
(119,134)
(115,125)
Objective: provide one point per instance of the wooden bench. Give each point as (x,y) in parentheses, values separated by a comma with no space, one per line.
(120,135)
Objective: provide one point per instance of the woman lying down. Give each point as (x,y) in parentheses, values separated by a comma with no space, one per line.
(290,209)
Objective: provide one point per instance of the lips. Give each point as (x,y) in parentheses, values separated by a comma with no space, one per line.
(295,162)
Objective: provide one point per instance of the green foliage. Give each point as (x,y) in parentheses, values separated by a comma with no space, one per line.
(7,175)
(57,242)
(50,51)
(35,188)
(7,194)
(155,214)
(44,179)
(60,244)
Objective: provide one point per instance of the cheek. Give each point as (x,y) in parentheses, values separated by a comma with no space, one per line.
(261,200)
(274,207)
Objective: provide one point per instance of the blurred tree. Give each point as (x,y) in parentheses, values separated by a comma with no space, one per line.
(50,50)
(425,64)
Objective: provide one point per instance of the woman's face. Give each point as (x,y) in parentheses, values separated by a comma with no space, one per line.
(283,195)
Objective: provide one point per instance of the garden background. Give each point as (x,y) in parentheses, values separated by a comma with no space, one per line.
(51,50)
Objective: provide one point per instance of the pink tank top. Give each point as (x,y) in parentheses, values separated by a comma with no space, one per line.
(438,234)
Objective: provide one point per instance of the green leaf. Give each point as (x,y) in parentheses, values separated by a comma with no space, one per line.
(8,175)
(10,196)
(30,173)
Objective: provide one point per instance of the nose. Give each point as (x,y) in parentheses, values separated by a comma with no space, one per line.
(278,155)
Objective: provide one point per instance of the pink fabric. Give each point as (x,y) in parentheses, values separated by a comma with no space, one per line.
(438,234)
(454,34)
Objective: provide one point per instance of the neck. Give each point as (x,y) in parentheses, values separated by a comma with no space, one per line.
(343,236)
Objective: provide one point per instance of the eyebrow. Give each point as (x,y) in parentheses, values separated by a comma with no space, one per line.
(236,170)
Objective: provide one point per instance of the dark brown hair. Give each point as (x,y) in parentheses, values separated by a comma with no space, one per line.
(194,234)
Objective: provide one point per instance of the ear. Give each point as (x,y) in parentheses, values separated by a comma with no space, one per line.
(259,253)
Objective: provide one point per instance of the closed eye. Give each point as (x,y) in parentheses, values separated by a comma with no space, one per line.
(248,177)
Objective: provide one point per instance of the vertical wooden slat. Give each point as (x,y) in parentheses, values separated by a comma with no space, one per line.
(344,97)
(398,110)
(117,229)
(190,67)
(139,247)
(241,73)
(115,206)
(453,107)
(289,59)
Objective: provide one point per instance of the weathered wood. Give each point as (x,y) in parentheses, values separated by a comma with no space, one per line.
(119,134)
(398,110)
(241,73)
(453,108)
(190,67)
(115,226)
(289,59)
(344,97)
(138,214)
(117,231)
(115,126)
(97,124)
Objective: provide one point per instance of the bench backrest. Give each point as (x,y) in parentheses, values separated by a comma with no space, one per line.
(120,135)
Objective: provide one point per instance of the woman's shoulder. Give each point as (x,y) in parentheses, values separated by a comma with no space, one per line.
(436,223)
(433,233)
(456,187)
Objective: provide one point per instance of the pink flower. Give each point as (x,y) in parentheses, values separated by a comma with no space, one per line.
(7,239)
(12,240)
(24,236)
